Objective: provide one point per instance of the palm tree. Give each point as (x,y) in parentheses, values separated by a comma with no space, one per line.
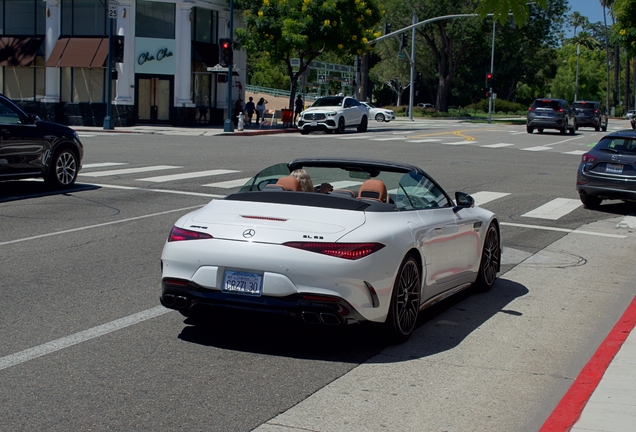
(577,20)
(606,4)
(585,39)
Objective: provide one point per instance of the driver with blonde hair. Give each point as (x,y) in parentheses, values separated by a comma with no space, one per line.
(306,185)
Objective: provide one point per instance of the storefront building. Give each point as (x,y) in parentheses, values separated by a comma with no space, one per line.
(53,60)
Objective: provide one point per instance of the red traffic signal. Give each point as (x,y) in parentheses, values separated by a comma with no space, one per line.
(489,80)
(226,54)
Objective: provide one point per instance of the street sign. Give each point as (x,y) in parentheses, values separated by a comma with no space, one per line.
(400,55)
(112,9)
(322,79)
(217,68)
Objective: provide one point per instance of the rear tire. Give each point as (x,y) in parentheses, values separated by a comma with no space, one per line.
(362,127)
(590,201)
(405,302)
(490,258)
(63,170)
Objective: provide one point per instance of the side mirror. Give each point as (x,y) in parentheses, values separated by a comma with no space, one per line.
(463,201)
(32,119)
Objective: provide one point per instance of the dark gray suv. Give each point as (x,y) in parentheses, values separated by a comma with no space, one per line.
(550,114)
(590,114)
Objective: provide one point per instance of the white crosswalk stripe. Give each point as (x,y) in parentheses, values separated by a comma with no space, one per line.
(228,184)
(188,175)
(426,140)
(499,145)
(460,142)
(388,139)
(576,152)
(537,148)
(102,165)
(128,171)
(555,209)
(483,197)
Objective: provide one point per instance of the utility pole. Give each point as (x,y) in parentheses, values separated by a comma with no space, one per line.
(492,67)
(228,126)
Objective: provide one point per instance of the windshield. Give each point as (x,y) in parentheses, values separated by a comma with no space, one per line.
(546,104)
(328,101)
(583,105)
(405,191)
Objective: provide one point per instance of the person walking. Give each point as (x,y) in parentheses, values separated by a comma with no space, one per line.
(249,109)
(260,108)
(299,108)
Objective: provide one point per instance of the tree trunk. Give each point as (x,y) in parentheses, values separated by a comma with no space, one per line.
(627,92)
(607,56)
(617,72)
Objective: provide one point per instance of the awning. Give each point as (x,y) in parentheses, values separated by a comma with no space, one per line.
(19,50)
(79,52)
(206,53)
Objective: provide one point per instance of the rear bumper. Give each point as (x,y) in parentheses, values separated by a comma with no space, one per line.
(192,299)
(588,122)
(606,188)
(546,123)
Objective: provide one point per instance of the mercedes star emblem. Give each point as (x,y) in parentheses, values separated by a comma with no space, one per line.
(249,233)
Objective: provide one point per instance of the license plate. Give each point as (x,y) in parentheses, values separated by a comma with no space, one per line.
(614,168)
(313,123)
(242,283)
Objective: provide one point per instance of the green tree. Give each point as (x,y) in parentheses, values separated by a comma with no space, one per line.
(392,72)
(591,74)
(576,20)
(305,29)
(585,39)
(501,8)
(625,28)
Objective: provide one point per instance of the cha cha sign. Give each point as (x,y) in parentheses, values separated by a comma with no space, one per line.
(155,56)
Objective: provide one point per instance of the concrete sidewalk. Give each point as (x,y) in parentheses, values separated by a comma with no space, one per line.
(459,352)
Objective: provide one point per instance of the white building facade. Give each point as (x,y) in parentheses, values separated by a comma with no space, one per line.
(53,60)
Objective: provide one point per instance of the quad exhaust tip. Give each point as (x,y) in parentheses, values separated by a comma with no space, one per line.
(178,302)
(322,318)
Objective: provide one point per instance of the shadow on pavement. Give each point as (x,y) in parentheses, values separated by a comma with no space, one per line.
(440,328)
(22,190)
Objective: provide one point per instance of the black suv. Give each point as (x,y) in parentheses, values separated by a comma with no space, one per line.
(550,114)
(31,148)
(590,114)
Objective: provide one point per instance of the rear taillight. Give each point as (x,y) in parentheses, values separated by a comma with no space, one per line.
(350,251)
(587,158)
(558,109)
(179,234)
(595,111)
(530,109)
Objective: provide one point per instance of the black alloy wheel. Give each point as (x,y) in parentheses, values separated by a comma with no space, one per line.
(490,256)
(405,301)
(341,125)
(364,124)
(63,170)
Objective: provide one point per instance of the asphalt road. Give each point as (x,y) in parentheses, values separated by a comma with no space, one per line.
(86,347)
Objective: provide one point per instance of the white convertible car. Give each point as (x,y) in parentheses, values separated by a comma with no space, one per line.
(385,243)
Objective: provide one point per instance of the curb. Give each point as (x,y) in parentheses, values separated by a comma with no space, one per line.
(569,409)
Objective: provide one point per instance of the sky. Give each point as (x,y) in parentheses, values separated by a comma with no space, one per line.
(592,9)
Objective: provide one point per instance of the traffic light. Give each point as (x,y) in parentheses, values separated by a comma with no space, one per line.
(418,80)
(387,28)
(226,55)
(404,41)
(489,80)
(487,95)
(117,49)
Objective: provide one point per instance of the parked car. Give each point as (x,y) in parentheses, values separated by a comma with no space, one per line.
(426,105)
(630,114)
(387,242)
(334,113)
(32,148)
(608,170)
(590,114)
(550,114)
(379,114)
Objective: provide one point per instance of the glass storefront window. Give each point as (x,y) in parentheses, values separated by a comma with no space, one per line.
(22,17)
(204,27)
(155,20)
(83,17)
(82,85)
(19,83)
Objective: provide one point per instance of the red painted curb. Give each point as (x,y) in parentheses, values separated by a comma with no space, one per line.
(568,411)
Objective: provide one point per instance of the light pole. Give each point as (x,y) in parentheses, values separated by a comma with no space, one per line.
(108,121)
(228,126)
(576,85)
(492,66)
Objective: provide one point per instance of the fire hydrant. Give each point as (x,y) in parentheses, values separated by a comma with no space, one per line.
(241,121)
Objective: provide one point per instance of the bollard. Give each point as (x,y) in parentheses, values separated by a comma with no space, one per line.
(241,121)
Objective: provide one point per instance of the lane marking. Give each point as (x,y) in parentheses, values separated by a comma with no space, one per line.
(461,142)
(484,197)
(569,409)
(356,137)
(228,184)
(538,148)
(499,145)
(99,225)
(199,194)
(554,209)
(83,336)
(564,230)
(576,152)
(129,171)
(189,175)
(570,139)
(426,140)
(102,165)
(387,139)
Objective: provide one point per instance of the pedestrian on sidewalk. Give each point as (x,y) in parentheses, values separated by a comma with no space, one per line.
(260,108)
(300,105)
(249,109)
